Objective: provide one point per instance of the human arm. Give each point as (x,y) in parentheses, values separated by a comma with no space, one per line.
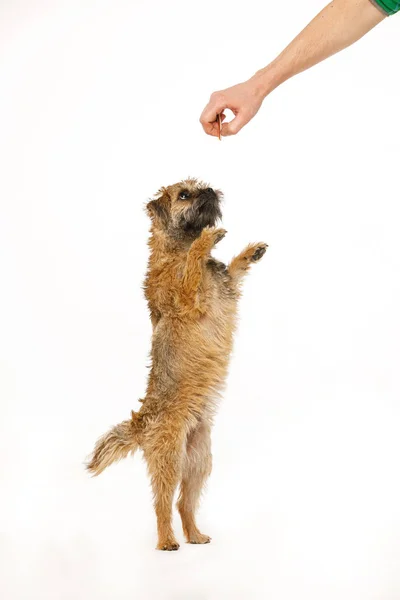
(339,25)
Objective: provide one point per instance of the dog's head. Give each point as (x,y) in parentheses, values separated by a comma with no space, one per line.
(182,210)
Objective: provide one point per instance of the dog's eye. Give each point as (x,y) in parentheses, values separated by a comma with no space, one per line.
(184,195)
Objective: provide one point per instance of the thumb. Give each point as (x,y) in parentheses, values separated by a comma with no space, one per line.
(234,126)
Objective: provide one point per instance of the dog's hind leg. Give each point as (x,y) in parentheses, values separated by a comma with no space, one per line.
(196,469)
(163,451)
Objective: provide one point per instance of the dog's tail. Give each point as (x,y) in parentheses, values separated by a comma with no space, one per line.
(115,445)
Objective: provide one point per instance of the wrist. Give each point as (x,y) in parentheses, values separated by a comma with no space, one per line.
(267,79)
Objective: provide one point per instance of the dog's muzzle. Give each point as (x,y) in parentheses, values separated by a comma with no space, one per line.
(208,195)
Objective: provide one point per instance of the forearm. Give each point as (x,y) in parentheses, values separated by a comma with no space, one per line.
(339,25)
(336,27)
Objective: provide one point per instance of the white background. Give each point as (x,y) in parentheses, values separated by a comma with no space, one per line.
(99,106)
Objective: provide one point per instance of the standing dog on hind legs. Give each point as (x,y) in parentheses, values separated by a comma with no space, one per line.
(193,300)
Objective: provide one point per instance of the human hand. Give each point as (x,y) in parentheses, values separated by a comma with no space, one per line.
(244,100)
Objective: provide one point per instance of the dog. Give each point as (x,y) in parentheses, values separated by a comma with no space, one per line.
(193,300)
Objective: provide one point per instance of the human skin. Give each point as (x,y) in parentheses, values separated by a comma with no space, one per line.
(339,25)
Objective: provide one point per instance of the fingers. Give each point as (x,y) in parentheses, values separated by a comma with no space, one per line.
(231,128)
(208,118)
(240,99)
(234,126)
(243,99)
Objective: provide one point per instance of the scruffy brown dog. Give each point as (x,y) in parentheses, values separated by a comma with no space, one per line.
(193,303)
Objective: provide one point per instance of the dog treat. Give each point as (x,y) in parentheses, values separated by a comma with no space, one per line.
(219,126)
(193,300)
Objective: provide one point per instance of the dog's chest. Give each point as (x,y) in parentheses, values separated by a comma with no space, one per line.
(222,282)
(162,284)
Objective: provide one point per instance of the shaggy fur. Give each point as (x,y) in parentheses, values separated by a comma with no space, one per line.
(193,300)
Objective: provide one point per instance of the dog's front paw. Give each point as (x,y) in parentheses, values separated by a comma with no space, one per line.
(213,235)
(258,251)
(218,235)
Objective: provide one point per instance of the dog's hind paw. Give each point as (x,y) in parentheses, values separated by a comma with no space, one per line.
(199,538)
(169,545)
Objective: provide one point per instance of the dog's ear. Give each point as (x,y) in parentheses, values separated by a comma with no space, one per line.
(158,209)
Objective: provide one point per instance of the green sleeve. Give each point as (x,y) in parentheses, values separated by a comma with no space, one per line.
(389,7)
